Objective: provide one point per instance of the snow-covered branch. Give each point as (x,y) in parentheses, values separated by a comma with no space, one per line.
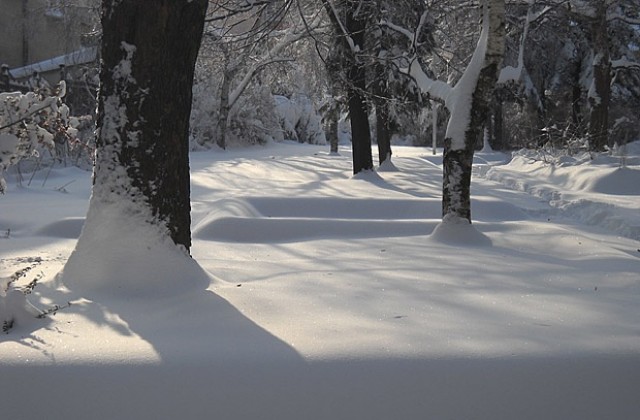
(624,63)
(510,73)
(255,69)
(410,35)
(436,89)
(22,121)
(270,57)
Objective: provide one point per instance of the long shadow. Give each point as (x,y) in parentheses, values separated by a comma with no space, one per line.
(552,388)
(207,354)
(201,328)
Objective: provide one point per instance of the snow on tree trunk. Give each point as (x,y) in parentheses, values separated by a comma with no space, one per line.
(469,106)
(140,204)
(600,91)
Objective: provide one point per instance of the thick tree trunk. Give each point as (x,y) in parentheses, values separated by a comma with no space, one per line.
(360,130)
(359,114)
(600,93)
(458,159)
(149,51)
(353,41)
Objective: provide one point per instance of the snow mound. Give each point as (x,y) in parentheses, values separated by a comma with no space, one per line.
(456,231)
(387,166)
(69,228)
(592,189)
(617,181)
(280,220)
(16,312)
(282,230)
(128,257)
(345,208)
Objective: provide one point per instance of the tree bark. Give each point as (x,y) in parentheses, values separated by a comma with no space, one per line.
(223,113)
(383,131)
(331,125)
(458,159)
(149,51)
(359,114)
(352,33)
(496,124)
(600,93)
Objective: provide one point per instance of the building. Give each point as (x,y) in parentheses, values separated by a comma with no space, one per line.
(44,41)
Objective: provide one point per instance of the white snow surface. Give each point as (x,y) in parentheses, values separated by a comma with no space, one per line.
(318,295)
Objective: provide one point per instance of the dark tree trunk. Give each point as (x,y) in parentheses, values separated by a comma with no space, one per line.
(599,96)
(332,114)
(356,83)
(496,123)
(383,123)
(332,127)
(576,100)
(149,51)
(358,112)
(383,130)
(360,130)
(223,116)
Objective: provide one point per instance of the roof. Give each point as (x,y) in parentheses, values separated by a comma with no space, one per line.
(81,56)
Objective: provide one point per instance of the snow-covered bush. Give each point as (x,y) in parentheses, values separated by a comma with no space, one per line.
(257,118)
(251,120)
(204,113)
(14,307)
(29,123)
(299,119)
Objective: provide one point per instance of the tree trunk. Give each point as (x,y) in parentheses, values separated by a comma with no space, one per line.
(351,32)
(149,51)
(332,127)
(333,66)
(358,112)
(458,158)
(496,124)
(223,113)
(600,92)
(360,130)
(383,131)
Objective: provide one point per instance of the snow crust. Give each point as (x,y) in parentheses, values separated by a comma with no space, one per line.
(319,295)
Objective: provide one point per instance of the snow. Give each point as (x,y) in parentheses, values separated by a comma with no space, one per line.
(314,294)
(598,192)
(458,99)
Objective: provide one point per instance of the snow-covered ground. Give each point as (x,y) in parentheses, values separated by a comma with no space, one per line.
(335,297)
